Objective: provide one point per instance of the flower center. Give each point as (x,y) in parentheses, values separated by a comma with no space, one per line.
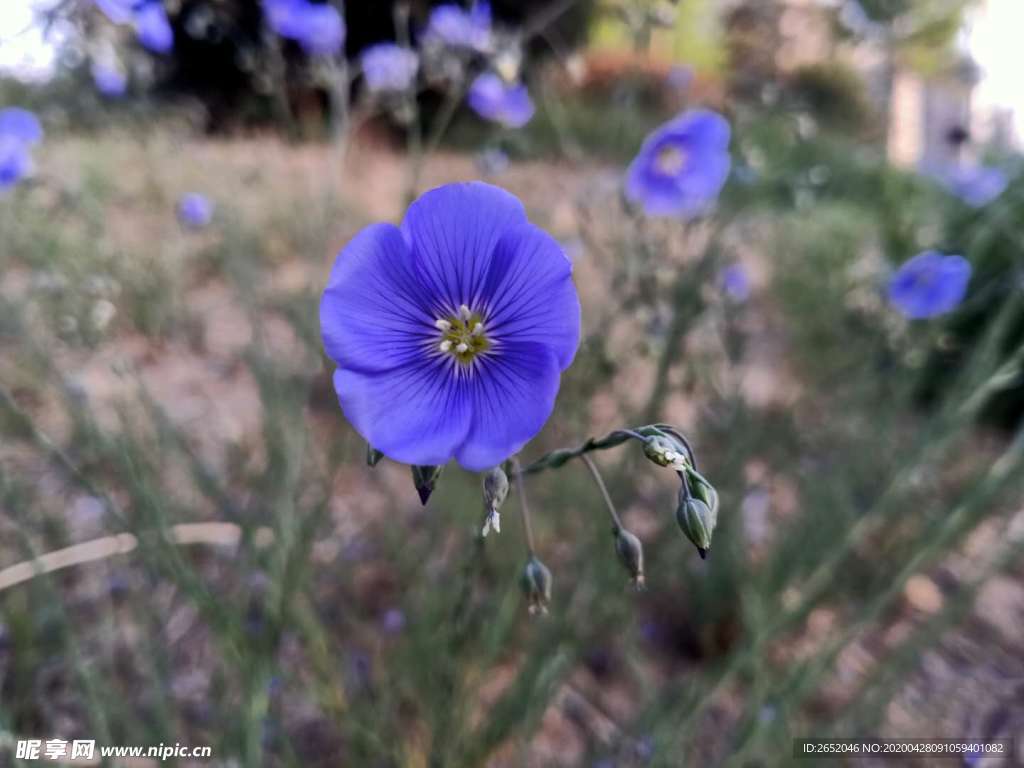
(670,161)
(462,335)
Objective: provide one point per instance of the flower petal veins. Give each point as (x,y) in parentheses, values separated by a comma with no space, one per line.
(450,332)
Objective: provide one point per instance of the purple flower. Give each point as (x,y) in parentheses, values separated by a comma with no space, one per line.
(735,282)
(109,79)
(977,186)
(195,210)
(118,11)
(457,28)
(682,166)
(929,284)
(19,131)
(493,99)
(492,162)
(679,77)
(389,67)
(451,332)
(152,28)
(317,27)
(393,621)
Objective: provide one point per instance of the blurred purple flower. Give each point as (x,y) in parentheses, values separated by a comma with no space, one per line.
(389,67)
(492,162)
(118,11)
(152,27)
(735,282)
(929,284)
(317,27)
(455,27)
(977,186)
(109,79)
(393,621)
(195,210)
(450,333)
(493,99)
(679,77)
(19,132)
(682,166)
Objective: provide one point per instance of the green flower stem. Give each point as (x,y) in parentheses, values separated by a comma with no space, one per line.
(524,507)
(616,522)
(556,459)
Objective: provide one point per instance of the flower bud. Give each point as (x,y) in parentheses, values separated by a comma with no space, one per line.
(705,493)
(425,478)
(631,553)
(495,492)
(697,521)
(536,585)
(665,452)
(373,456)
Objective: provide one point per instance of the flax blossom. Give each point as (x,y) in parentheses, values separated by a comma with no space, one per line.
(930,284)
(451,331)
(19,132)
(682,166)
(495,100)
(195,210)
(389,68)
(457,28)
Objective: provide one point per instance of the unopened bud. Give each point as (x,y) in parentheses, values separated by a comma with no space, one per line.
(705,493)
(536,585)
(425,478)
(495,492)
(665,452)
(373,456)
(697,521)
(631,554)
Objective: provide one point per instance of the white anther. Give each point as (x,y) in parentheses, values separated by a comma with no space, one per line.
(442,325)
(478,329)
(464,312)
(446,346)
(462,348)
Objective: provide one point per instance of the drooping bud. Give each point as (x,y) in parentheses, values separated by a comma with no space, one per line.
(373,456)
(495,492)
(696,520)
(631,554)
(704,492)
(665,452)
(536,585)
(425,478)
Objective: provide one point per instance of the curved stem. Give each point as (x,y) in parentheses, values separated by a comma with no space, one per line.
(555,459)
(616,522)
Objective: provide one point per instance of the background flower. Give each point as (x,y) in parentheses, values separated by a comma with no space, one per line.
(977,186)
(929,284)
(118,11)
(109,79)
(735,282)
(458,28)
(682,166)
(19,132)
(389,67)
(451,332)
(195,210)
(317,27)
(152,27)
(493,99)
